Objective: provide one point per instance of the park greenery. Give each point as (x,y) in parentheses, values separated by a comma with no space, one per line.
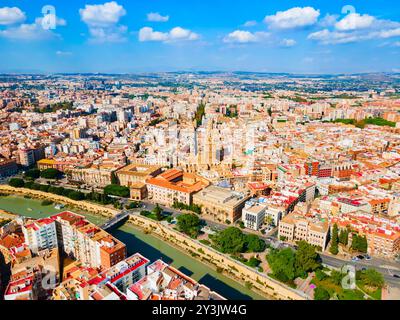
(117,190)
(156,214)
(287,264)
(183,206)
(253,262)
(362,123)
(32,174)
(51,174)
(132,205)
(65,105)
(232,240)
(61,191)
(16,182)
(189,224)
(369,284)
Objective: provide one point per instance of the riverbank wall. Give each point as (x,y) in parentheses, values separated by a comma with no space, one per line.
(233,268)
(225,264)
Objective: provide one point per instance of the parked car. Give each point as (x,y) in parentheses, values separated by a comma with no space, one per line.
(396,276)
(360,257)
(367,257)
(355,259)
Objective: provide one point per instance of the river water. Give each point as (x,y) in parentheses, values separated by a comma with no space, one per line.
(146,244)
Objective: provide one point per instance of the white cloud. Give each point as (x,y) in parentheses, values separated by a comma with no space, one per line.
(156,17)
(101,15)
(293,18)
(241,36)
(288,43)
(329,20)
(29,32)
(103,35)
(148,34)
(355,27)
(250,23)
(9,16)
(332,37)
(102,20)
(175,34)
(355,21)
(389,33)
(59,21)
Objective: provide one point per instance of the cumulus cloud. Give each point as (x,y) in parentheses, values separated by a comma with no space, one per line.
(9,16)
(329,20)
(355,27)
(101,15)
(102,20)
(293,18)
(241,36)
(355,21)
(174,35)
(156,17)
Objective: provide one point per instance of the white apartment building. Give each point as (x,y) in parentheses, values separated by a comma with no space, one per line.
(40,234)
(253,214)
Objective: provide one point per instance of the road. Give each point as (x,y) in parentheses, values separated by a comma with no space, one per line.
(387,268)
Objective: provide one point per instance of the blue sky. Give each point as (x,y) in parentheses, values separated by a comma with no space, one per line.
(166,35)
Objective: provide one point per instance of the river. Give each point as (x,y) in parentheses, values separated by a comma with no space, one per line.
(146,244)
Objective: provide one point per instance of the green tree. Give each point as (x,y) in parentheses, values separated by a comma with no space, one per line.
(344,237)
(16,183)
(359,243)
(336,277)
(372,278)
(307,259)
(51,174)
(116,190)
(114,179)
(158,212)
(44,187)
(230,240)
(32,174)
(75,195)
(282,264)
(334,249)
(363,244)
(189,224)
(320,293)
(254,243)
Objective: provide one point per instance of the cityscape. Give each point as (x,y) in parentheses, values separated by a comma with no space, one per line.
(199,180)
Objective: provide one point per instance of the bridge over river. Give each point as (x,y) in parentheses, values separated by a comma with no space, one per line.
(117,220)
